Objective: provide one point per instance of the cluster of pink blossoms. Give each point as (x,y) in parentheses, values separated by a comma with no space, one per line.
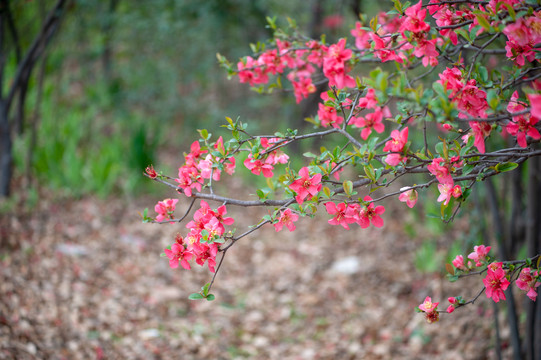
(165,209)
(496,280)
(196,168)
(448,15)
(522,37)
(328,115)
(527,281)
(443,170)
(396,146)
(522,125)
(206,229)
(266,164)
(470,101)
(302,63)
(345,214)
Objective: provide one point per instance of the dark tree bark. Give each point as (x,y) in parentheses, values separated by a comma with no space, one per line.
(19,83)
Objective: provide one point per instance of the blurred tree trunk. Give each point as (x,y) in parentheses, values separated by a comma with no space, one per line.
(533,239)
(18,84)
(108,29)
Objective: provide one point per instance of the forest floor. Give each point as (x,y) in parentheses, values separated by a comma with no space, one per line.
(84,280)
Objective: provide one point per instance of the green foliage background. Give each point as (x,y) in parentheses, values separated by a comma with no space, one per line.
(126,78)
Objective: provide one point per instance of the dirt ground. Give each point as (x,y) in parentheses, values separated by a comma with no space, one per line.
(84,280)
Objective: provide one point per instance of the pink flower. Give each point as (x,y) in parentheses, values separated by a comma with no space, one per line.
(428,306)
(287,218)
(381,52)
(251,72)
(306,185)
(151,172)
(328,116)
(220,215)
(522,125)
(479,254)
(189,178)
(362,37)
(458,262)
(333,21)
(257,166)
(414,20)
(271,61)
(454,303)
(518,32)
(372,121)
(334,65)
(165,209)
(302,88)
(427,50)
(395,159)
(339,212)
(480,131)
(430,309)
(441,172)
(527,281)
(451,79)
(518,53)
(205,253)
(205,166)
(495,282)
(371,213)
(178,253)
(230,165)
(370,102)
(535,102)
(409,196)
(398,140)
(448,190)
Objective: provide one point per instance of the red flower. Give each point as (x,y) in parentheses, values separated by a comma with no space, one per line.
(165,209)
(409,196)
(496,282)
(414,20)
(151,172)
(306,185)
(178,253)
(340,216)
(286,218)
(527,281)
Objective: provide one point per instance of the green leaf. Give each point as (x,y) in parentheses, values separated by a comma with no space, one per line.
(484,73)
(503,167)
(205,289)
(484,23)
(397,6)
(493,99)
(511,11)
(348,187)
(210,297)
(327,192)
(196,296)
(204,134)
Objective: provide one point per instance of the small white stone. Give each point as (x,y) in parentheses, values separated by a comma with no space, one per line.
(348,265)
